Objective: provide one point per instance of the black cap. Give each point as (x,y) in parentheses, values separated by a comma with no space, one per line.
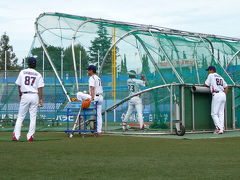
(211,68)
(92,67)
(32,62)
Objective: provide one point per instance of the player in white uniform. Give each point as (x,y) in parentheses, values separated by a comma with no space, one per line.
(219,89)
(30,84)
(96,93)
(134,87)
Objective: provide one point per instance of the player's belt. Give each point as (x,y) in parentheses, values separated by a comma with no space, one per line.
(29,92)
(99,94)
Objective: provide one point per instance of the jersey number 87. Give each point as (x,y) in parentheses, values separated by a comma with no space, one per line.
(28,80)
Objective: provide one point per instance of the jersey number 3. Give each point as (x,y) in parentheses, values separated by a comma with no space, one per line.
(28,80)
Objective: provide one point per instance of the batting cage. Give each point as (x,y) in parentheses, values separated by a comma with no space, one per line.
(172,61)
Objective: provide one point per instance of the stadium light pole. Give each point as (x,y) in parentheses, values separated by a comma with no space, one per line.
(5,67)
(80,64)
(62,64)
(43,64)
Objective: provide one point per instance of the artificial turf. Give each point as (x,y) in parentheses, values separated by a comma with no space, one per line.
(55,156)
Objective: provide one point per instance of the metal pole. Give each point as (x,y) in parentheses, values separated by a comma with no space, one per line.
(183,104)
(169,61)
(233,108)
(114,44)
(43,63)
(5,72)
(171,108)
(193,112)
(80,64)
(74,62)
(217,60)
(98,58)
(62,64)
(51,63)
(232,58)
(106,120)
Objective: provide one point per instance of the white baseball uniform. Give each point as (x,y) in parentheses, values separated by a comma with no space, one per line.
(29,81)
(134,87)
(83,96)
(95,81)
(217,85)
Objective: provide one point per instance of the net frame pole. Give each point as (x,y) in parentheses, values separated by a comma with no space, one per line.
(195,62)
(74,62)
(50,61)
(169,61)
(216,60)
(171,108)
(233,109)
(139,39)
(152,60)
(73,50)
(80,64)
(232,58)
(114,44)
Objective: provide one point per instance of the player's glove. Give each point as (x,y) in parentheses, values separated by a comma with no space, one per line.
(143,78)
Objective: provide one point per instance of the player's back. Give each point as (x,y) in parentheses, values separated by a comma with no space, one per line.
(134,85)
(217,83)
(30,80)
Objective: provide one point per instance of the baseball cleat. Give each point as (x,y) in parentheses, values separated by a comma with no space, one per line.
(124,126)
(143,127)
(30,139)
(220,132)
(216,131)
(14,138)
(99,134)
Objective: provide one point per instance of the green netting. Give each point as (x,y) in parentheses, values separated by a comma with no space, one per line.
(163,55)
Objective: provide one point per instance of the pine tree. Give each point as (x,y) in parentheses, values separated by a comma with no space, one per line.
(68,59)
(11,57)
(101,44)
(124,65)
(55,54)
(145,65)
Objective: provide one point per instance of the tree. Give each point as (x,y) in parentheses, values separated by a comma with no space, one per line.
(68,58)
(55,54)
(145,65)
(100,45)
(11,57)
(124,65)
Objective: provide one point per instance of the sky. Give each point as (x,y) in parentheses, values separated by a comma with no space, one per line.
(219,17)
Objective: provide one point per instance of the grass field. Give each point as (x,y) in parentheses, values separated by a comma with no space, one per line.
(54,156)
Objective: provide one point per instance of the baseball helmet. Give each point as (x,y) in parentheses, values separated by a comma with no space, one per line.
(32,62)
(132,74)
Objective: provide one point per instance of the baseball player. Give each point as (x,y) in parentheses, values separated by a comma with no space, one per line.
(96,93)
(30,84)
(219,89)
(134,87)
